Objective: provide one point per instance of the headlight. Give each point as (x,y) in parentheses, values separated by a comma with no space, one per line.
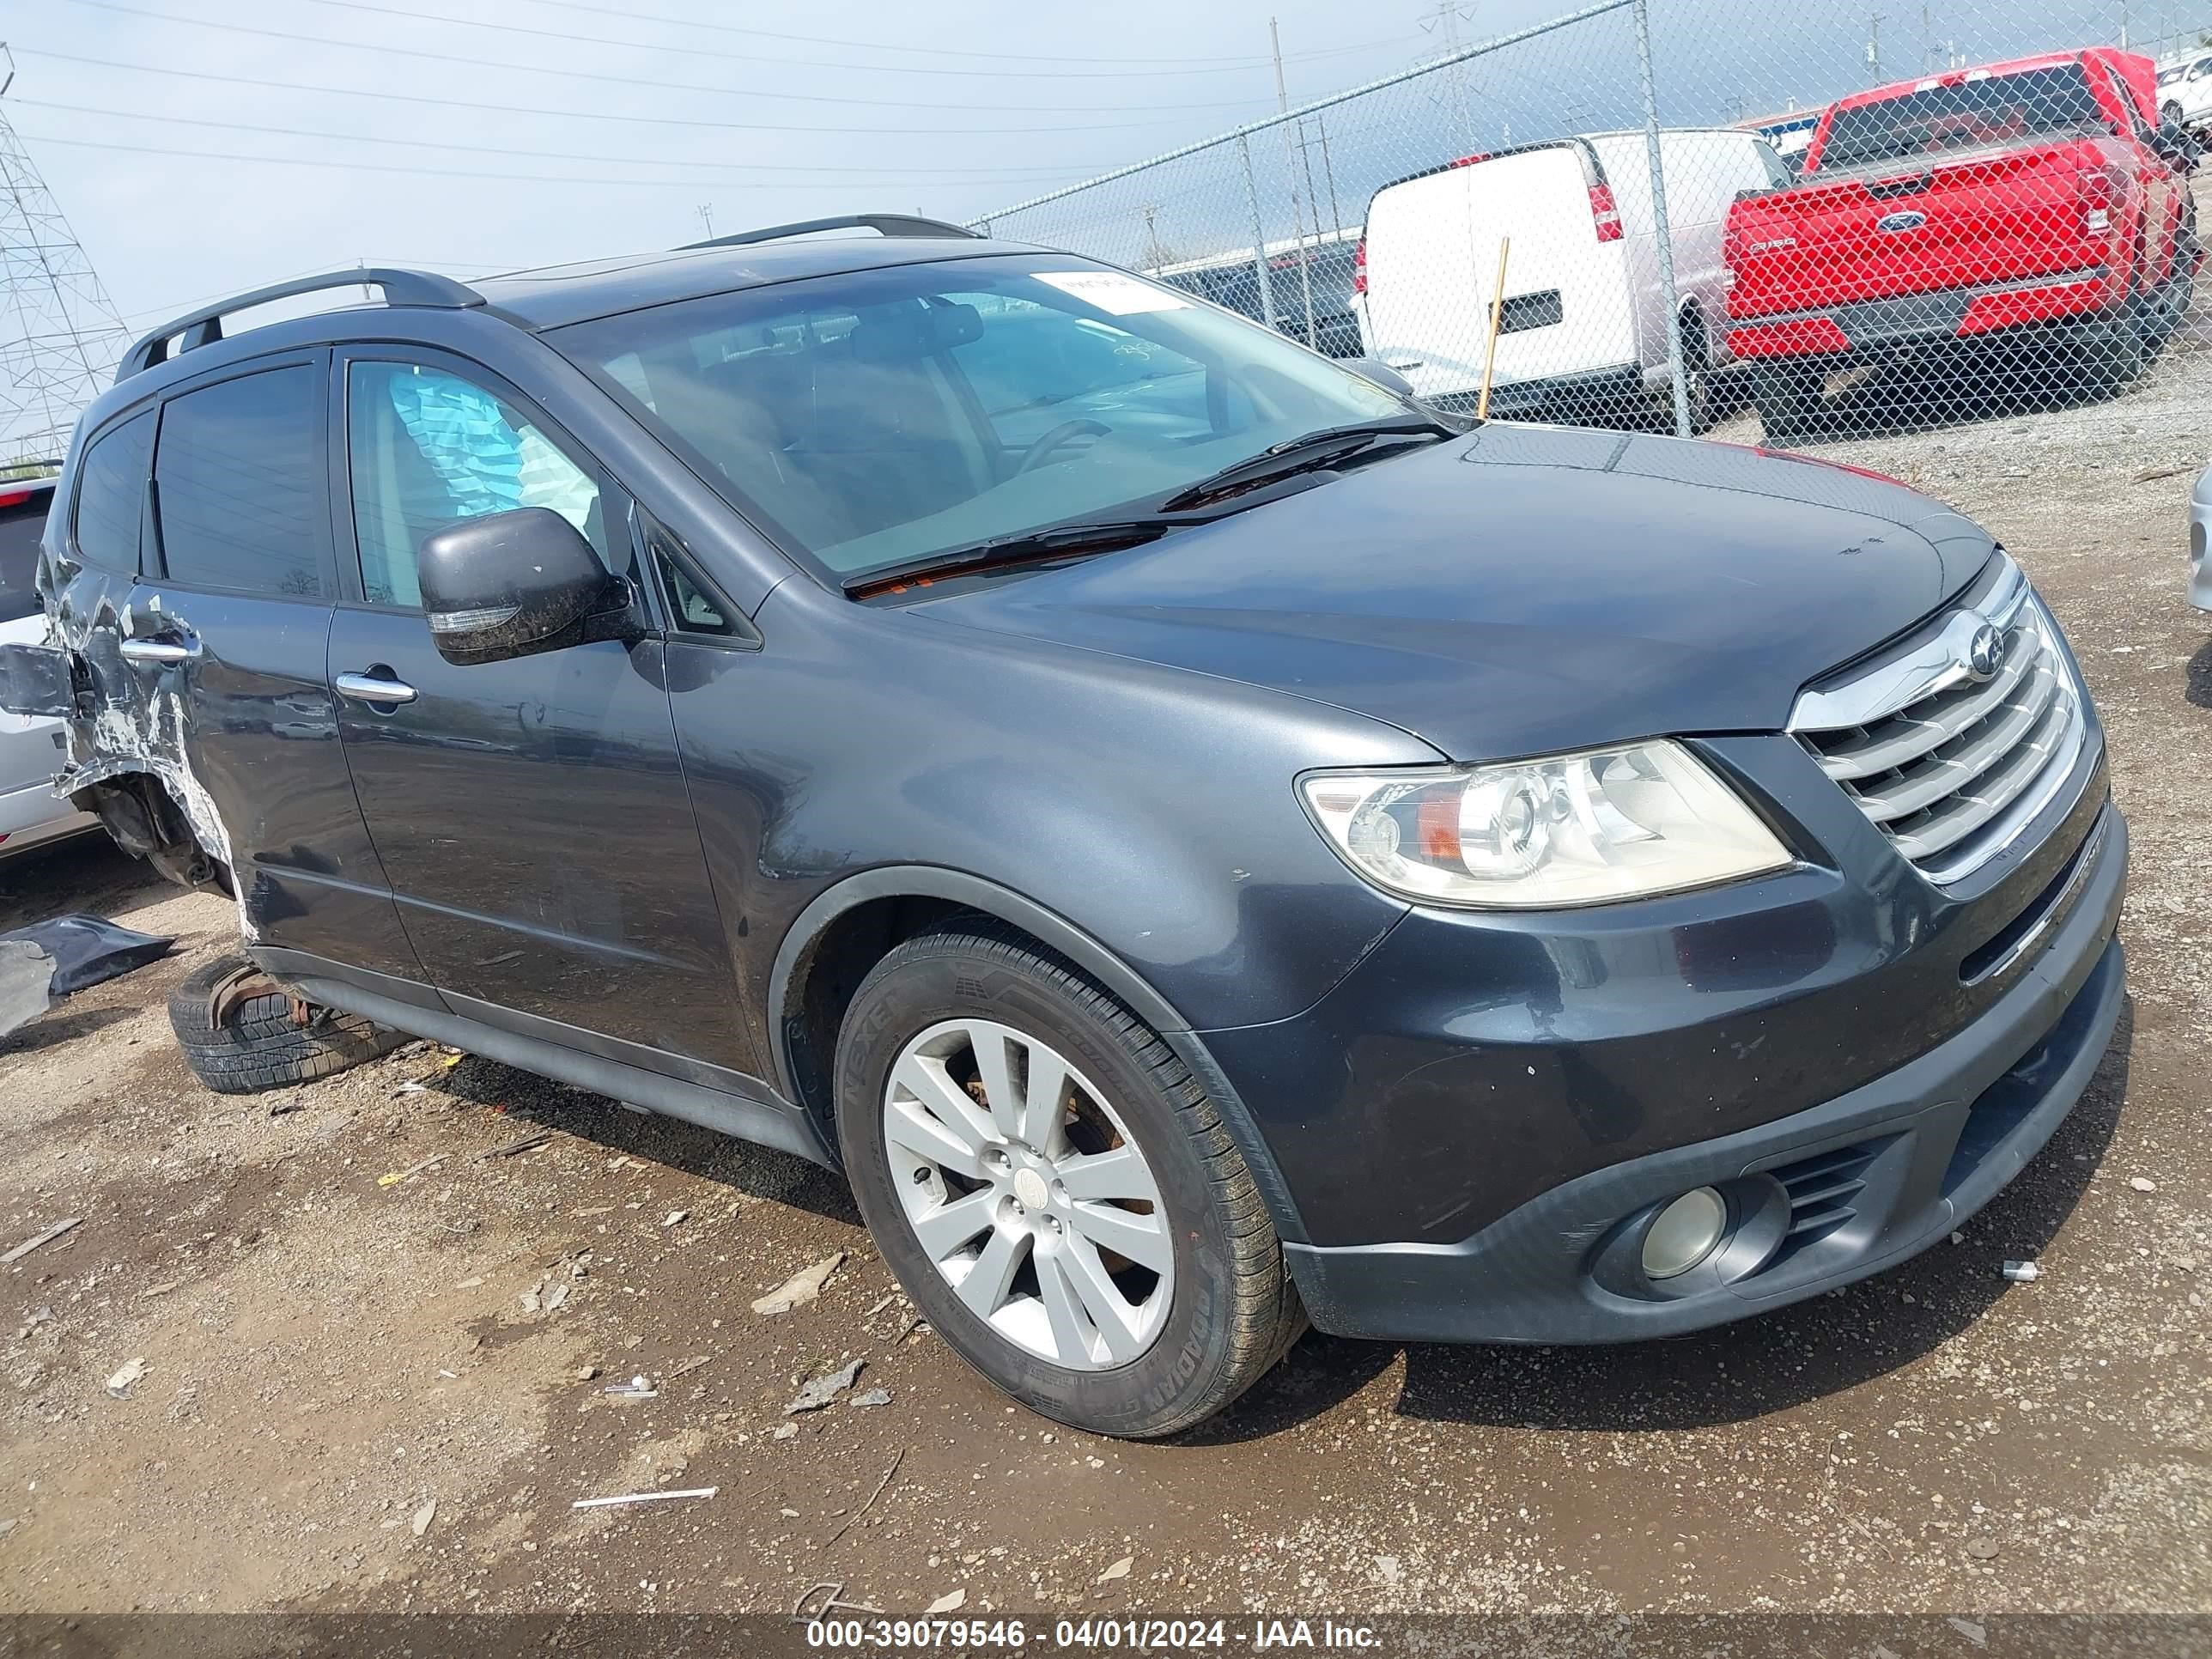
(1581,829)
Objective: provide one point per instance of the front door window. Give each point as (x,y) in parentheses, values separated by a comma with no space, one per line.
(428,448)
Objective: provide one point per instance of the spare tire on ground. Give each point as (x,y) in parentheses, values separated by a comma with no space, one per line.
(243,1035)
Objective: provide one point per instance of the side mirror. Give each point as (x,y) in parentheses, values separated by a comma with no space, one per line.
(508,585)
(2173,143)
(1375,370)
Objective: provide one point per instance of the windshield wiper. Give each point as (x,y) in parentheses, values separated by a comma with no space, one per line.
(1303,453)
(1053,541)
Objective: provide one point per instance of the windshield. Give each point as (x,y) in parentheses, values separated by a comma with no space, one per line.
(1963,115)
(872,418)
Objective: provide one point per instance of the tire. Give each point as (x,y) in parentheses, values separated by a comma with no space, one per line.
(2113,350)
(1223,1318)
(260,1047)
(1697,381)
(2178,292)
(1788,400)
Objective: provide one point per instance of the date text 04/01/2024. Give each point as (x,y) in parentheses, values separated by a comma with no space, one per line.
(1123,1634)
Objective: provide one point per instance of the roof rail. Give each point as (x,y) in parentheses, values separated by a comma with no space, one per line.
(204,326)
(889,224)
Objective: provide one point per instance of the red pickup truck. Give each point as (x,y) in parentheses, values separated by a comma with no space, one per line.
(2036,205)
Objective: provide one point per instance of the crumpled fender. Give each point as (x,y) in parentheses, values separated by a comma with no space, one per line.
(127,760)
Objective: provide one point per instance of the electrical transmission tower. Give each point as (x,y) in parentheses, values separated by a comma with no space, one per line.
(59,334)
(1444,21)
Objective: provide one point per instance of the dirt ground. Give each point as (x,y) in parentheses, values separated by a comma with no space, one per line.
(329,1351)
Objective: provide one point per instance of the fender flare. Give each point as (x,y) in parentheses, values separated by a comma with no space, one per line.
(1059,935)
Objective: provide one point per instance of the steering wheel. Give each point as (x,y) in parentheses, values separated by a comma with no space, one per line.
(1061,436)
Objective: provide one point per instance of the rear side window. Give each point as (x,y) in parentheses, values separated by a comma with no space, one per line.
(110,494)
(19,556)
(2115,87)
(1967,114)
(236,482)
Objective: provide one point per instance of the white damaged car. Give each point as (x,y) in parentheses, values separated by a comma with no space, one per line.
(33,748)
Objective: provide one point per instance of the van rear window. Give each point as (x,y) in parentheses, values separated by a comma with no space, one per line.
(1965,115)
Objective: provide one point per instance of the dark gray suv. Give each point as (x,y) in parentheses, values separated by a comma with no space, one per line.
(1204,842)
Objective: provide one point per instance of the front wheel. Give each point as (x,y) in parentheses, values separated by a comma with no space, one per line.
(1054,1189)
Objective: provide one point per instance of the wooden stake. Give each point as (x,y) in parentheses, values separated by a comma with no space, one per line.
(1496,315)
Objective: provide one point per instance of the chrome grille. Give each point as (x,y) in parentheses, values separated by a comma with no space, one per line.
(1948,765)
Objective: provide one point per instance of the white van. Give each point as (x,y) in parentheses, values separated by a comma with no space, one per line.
(1582,335)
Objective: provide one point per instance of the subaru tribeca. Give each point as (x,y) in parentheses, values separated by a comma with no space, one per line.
(1204,842)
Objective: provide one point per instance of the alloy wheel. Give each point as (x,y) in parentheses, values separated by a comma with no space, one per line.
(1029,1194)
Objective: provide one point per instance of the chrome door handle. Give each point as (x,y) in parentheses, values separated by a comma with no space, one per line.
(368,688)
(160,651)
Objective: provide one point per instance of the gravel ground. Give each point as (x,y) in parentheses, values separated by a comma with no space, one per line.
(329,1352)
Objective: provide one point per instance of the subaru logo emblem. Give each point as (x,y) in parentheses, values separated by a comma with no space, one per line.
(1893,222)
(1985,652)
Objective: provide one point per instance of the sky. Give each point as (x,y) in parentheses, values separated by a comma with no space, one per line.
(200,147)
(542,131)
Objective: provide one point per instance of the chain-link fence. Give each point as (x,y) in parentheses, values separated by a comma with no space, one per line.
(1817,223)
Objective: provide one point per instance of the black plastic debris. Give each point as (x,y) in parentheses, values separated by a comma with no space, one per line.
(86,950)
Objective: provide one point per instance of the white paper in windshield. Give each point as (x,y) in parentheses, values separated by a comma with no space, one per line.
(1113,291)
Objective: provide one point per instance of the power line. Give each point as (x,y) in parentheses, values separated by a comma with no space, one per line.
(1183,65)
(937,52)
(383,95)
(456,173)
(655,85)
(475,148)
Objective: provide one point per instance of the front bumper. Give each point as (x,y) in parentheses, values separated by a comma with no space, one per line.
(1817,1199)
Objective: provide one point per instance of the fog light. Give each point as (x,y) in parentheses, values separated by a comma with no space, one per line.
(1685,1233)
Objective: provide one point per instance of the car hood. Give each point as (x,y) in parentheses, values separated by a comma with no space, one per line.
(1526,588)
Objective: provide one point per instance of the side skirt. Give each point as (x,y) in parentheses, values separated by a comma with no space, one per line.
(767,1122)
